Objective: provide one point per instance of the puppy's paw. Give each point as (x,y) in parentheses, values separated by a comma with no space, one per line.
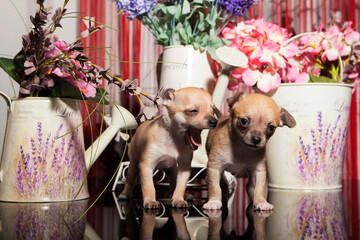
(179,203)
(213,213)
(263,206)
(151,205)
(263,214)
(212,205)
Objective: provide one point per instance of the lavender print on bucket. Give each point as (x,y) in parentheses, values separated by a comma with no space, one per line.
(50,165)
(320,159)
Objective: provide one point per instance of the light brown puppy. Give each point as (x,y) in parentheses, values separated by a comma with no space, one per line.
(168,142)
(238,142)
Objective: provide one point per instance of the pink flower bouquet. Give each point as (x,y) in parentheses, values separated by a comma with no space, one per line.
(274,57)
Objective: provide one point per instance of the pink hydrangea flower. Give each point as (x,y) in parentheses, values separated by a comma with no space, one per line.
(261,42)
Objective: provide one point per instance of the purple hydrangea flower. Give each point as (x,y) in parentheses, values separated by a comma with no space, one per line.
(135,8)
(236,7)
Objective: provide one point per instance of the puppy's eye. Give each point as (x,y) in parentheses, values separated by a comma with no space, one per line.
(193,111)
(244,121)
(271,128)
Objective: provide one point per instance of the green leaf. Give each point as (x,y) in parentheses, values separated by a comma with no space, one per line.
(163,8)
(322,79)
(178,12)
(182,34)
(63,88)
(10,66)
(163,37)
(186,7)
(212,52)
(171,10)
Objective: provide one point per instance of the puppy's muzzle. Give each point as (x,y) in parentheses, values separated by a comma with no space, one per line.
(255,140)
(213,122)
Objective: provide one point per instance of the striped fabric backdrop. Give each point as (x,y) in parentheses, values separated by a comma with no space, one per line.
(135,53)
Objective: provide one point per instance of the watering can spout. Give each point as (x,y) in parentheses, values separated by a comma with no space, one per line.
(121,119)
(230,59)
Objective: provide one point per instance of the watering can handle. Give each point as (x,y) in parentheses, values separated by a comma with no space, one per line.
(7,100)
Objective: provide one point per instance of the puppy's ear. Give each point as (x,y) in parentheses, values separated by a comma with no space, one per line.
(168,96)
(287,119)
(232,100)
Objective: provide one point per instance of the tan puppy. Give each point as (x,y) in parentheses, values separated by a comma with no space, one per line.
(238,142)
(168,142)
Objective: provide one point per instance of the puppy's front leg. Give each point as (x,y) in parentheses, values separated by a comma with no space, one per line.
(147,186)
(259,195)
(213,177)
(184,171)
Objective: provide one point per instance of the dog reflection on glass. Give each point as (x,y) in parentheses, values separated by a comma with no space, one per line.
(167,143)
(255,228)
(155,223)
(237,145)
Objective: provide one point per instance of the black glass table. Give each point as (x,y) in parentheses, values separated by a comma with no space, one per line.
(298,214)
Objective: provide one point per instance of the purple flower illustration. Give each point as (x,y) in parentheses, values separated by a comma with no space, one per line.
(320,216)
(323,154)
(45,165)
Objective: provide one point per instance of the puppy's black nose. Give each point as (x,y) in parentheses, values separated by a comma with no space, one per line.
(212,122)
(255,140)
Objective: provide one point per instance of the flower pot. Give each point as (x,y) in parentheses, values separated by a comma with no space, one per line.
(43,156)
(310,155)
(306,214)
(185,66)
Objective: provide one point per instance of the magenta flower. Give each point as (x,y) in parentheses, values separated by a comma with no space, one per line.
(261,42)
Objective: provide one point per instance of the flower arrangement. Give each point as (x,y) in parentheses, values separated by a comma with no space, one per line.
(49,67)
(46,66)
(275,57)
(186,22)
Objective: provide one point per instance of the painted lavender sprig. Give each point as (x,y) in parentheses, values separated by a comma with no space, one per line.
(43,164)
(316,158)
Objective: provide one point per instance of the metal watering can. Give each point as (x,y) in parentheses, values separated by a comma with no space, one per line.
(43,158)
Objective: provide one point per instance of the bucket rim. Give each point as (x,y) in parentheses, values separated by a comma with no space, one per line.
(313,84)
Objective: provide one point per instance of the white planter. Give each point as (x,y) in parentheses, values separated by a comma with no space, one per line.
(43,158)
(311,155)
(184,66)
(43,155)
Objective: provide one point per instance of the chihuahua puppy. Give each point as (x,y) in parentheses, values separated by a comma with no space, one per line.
(167,142)
(238,142)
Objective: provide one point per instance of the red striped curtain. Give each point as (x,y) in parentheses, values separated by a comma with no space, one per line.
(131,43)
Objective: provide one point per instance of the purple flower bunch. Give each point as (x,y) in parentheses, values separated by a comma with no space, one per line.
(236,7)
(135,8)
